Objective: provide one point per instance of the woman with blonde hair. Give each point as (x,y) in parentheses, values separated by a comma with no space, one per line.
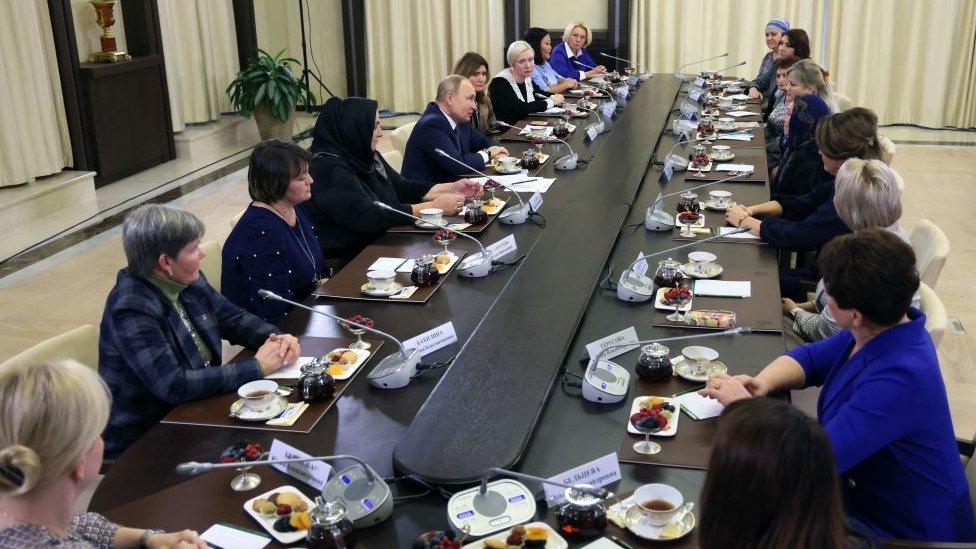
(570,59)
(474,67)
(513,94)
(51,419)
(806,77)
(866,195)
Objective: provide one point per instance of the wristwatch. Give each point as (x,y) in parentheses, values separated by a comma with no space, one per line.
(146,534)
(793,312)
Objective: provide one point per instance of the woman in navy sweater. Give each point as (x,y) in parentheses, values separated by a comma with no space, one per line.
(882,401)
(273,246)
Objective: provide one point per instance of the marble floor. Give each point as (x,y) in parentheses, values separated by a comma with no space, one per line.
(68,288)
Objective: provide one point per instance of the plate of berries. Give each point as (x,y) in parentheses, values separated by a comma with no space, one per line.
(647,411)
(669,299)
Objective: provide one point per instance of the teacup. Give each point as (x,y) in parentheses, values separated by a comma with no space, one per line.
(381,280)
(701,261)
(506,163)
(720,198)
(699,357)
(721,152)
(726,123)
(432,215)
(658,502)
(258,395)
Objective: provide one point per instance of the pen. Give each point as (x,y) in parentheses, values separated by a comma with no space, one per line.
(620,542)
(692,390)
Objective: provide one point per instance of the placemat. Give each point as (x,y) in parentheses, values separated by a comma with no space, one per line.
(215,411)
(347,283)
(473,229)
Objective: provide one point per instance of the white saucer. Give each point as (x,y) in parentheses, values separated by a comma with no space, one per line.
(641,526)
(714,270)
(722,158)
(683,369)
(708,204)
(515,169)
(368,289)
(238,410)
(425,225)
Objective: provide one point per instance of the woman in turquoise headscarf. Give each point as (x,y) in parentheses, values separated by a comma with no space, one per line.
(764,86)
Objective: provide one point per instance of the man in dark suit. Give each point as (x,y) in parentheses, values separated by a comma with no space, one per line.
(446,125)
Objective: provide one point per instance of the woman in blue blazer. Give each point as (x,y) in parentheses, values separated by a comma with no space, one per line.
(883,401)
(570,59)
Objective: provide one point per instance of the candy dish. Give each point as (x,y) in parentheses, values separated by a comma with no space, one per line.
(295,499)
(662,404)
(714,269)
(340,367)
(239,411)
(553,539)
(370,290)
(661,304)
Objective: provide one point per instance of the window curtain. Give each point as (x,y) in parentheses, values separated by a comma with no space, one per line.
(34,138)
(909,61)
(412,44)
(200,47)
(668,33)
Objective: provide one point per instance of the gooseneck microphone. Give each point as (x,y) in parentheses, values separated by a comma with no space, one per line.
(633,63)
(472,266)
(196,467)
(681,76)
(563,163)
(392,372)
(739,64)
(515,215)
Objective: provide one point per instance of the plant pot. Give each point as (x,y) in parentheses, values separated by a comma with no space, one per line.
(270,127)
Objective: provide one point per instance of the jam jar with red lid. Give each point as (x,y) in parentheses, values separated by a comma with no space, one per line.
(654,363)
(668,274)
(582,517)
(424,271)
(530,160)
(315,383)
(475,212)
(688,202)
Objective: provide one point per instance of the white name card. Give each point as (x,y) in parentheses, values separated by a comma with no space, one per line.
(592,132)
(535,202)
(432,340)
(626,337)
(699,81)
(313,473)
(667,173)
(503,247)
(623,92)
(609,108)
(695,95)
(599,472)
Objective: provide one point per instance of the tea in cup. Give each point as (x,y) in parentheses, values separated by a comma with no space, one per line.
(721,152)
(658,502)
(432,215)
(721,199)
(507,163)
(381,280)
(258,395)
(701,262)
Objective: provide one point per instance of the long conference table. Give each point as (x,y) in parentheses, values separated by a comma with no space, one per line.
(500,402)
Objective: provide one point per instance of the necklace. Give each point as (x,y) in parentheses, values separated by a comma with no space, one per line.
(17,521)
(303,244)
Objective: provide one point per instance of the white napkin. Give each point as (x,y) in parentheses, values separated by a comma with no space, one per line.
(407,267)
(226,535)
(735,136)
(735,168)
(698,407)
(291,371)
(723,288)
(386,264)
(738,97)
(545,130)
(738,114)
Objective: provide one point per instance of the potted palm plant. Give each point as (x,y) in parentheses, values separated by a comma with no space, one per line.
(267,88)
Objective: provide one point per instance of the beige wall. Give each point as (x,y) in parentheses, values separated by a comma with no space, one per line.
(278,28)
(87,30)
(556,14)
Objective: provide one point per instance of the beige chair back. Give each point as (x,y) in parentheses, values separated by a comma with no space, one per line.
(236,218)
(888,149)
(80,344)
(400,136)
(931,247)
(936,318)
(395,159)
(841,101)
(211,265)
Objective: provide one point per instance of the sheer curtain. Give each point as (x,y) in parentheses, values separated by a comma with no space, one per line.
(34,138)
(667,33)
(412,44)
(200,46)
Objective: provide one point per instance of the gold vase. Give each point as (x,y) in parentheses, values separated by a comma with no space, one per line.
(105,17)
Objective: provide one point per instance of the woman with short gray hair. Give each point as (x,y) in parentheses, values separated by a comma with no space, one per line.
(161,331)
(513,96)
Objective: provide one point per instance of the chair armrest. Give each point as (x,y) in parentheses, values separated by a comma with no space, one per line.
(966,447)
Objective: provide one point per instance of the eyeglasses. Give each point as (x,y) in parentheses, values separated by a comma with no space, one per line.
(577,35)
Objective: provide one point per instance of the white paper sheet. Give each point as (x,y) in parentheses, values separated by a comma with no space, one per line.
(735,168)
(544,130)
(292,371)
(735,136)
(739,114)
(540,185)
(555,110)
(223,535)
(407,267)
(386,264)
(723,288)
(744,236)
(738,97)
(699,407)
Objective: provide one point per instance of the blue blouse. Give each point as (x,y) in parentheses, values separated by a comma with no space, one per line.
(544,77)
(887,417)
(263,252)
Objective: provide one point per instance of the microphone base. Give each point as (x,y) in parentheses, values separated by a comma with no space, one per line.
(567,162)
(516,215)
(367,503)
(658,221)
(504,504)
(634,287)
(605,383)
(393,372)
(474,266)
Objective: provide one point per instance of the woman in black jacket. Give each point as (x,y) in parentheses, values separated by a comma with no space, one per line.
(801,169)
(349,175)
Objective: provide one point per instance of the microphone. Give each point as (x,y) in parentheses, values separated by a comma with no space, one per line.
(634,63)
(563,163)
(393,371)
(739,64)
(600,493)
(472,266)
(365,495)
(680,76)
(656,219)
(636,287)
(608,383)
(515,215)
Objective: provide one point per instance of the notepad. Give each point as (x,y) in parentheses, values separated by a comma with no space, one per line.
(735,168)
(738,114)
(544,130)
(229,535)
(735,136)
(407,267)
(386,264)
(291,371)
(698,407)
(723,288)
(744,236)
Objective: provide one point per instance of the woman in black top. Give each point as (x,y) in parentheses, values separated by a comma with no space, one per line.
(512,94)
(349,175)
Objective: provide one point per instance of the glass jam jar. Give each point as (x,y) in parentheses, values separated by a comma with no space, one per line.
(654,363)
(330,528)
(315,383)
(424,271)
(530,160)
(668,274)
(561,130)
(582,516)
(688,202)
(475,212)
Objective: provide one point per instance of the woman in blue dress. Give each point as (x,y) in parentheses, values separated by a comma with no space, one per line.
(570,59)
